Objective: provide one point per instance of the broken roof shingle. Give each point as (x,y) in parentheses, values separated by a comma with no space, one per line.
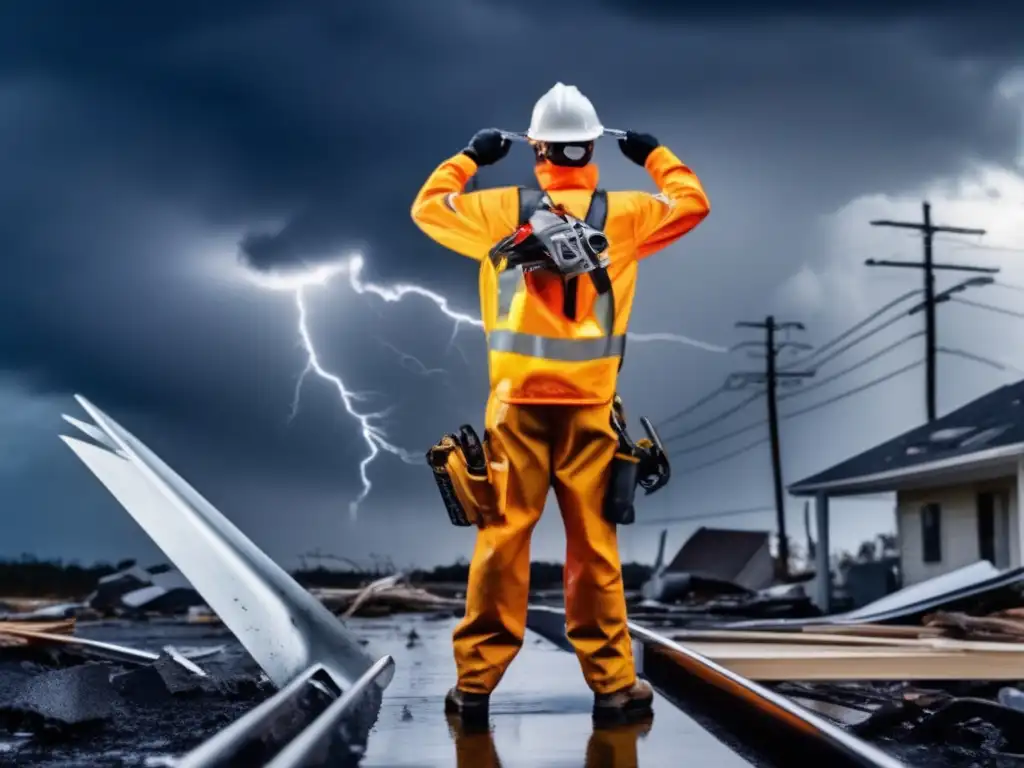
(992,421)
(722,553)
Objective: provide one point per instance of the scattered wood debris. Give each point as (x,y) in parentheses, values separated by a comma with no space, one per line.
(392,594)
(383,597)
(11,632)
(764,661)
(1002,626)
(949,646)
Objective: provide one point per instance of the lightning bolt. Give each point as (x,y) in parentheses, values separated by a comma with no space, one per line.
(373,434)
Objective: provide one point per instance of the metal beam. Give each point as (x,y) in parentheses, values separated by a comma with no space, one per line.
(283,627)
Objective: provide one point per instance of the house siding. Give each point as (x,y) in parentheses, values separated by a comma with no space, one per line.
(959,528)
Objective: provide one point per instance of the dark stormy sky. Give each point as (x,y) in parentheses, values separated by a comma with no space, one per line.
(153,153)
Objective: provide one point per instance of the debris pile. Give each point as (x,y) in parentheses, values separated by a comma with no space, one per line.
(863,652)
(46,710)
(138,592)
(932,673)
(719,574)
(384,597)
(1005,626)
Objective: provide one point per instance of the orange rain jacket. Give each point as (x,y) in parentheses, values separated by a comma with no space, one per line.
(536,354)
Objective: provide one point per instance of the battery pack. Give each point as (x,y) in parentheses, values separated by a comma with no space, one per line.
(460,468)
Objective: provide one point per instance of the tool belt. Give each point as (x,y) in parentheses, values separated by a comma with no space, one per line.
(462,471)
(641,463)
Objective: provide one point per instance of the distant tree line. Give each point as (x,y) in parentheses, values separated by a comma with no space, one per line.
(543,575)
(31,577)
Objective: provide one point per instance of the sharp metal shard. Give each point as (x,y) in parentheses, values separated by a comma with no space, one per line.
(283,627)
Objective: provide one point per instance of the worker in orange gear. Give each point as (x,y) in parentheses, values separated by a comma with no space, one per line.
(555,347)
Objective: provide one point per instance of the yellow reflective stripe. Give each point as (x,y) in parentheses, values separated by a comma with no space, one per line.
(510,282)
(604,311)
(565,350)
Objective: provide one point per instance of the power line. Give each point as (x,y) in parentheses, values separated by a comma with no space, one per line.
(808,359)
(841,396)
(967,245)
(1011,286)
(720,459)
(716,419)
(802,391)
(981,359)
(854,391)
(705,516)
(928,268)
(812,359)
(854,328)
(818,383)
(720,438)
(990,307)
(863,337)
(694,405)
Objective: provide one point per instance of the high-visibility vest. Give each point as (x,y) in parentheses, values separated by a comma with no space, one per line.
(544,346)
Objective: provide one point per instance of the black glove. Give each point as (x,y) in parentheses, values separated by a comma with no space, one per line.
(487,147)
(638,146)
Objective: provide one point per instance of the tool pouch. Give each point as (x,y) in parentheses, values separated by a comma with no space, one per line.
(643,462)
(621,491)
(462,471)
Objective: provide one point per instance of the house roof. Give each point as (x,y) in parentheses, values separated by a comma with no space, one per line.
(985,433)
(719,553)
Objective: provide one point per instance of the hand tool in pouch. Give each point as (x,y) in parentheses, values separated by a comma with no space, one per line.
(460,466)
(642,463)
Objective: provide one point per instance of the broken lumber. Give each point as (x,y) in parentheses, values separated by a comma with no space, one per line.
(874,630)
(792,661)
(963,624)
(396,598)
(12,633)
(688,636)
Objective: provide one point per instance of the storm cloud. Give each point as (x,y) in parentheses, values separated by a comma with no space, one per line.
(154,154)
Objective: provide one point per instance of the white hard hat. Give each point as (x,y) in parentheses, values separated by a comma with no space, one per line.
(563,115)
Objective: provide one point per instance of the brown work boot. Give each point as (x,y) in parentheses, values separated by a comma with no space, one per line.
(468,706)
(629,704)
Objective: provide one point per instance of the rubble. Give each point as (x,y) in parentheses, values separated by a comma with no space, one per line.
(932,673)
(385,600)
(136,591)
(73,698)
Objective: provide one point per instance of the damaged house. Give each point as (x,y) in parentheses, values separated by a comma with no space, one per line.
(957,482)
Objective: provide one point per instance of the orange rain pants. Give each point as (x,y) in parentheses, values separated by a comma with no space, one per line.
(535,447)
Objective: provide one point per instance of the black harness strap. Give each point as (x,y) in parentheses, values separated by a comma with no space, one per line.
(597,216)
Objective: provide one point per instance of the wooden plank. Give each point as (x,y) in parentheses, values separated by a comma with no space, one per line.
(875,630)
(9,629)
(689,636)
(685,636)
(62,626)
(777,662)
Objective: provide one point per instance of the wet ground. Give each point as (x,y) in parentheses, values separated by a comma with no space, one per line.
(540,716)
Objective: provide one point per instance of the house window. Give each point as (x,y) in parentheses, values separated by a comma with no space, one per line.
(987,527)
(931,533)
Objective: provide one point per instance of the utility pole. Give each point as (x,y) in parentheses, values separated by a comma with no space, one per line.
(928,268)
(770,378)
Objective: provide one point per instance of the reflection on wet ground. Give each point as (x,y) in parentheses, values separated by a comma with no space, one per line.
(540,715)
